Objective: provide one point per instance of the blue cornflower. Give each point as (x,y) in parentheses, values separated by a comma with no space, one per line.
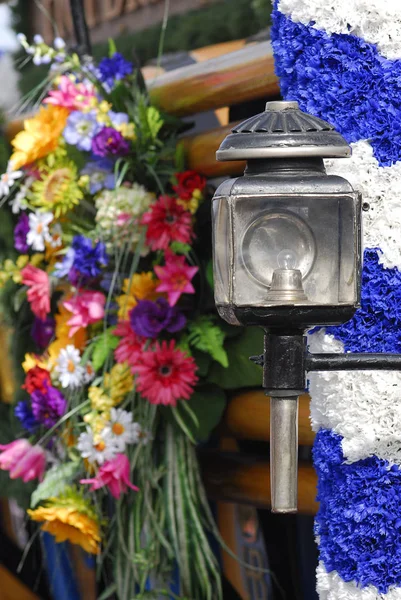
(24,414)
(100,175)
(88,258)
(114,69)
(80,129)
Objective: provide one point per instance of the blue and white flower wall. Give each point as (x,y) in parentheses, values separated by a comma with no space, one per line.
(341,59)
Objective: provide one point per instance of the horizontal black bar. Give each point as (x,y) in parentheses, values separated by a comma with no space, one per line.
(353,362)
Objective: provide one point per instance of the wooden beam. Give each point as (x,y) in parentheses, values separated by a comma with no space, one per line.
(229,79)
(12,588)
(248,417)
(201,150)
(232,477)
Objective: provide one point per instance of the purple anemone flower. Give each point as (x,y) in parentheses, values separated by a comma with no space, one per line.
(20,232)
(43,331)
(48,407)
(149,318)
(109,142)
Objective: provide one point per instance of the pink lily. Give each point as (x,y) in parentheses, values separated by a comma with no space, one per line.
(115,474)
(23,460)
(39,290)
(175,277)
(86,308)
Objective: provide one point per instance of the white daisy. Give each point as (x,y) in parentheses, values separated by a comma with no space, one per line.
(8,179)
(97,448)
(122,429)
(17,203)
(68,367)
(39,230)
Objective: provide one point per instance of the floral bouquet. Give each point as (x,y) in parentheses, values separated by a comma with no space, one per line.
(113,283)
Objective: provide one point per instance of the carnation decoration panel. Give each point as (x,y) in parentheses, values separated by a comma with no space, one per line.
(341,62)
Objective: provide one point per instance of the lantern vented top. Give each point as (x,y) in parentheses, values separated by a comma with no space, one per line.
(283,131)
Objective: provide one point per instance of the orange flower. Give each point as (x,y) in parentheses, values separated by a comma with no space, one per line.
(143,287)
(40,135)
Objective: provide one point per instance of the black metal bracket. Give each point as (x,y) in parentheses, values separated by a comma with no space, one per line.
(286,360)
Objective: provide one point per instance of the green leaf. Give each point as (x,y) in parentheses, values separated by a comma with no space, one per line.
(180,248)
(112,47)
(203,362)
(55,481)
(180,158)
(241,372)
(102,347)
(207,404)
(19,299)
(154,121)
(207,336)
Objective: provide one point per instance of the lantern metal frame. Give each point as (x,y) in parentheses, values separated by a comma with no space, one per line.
(284,137)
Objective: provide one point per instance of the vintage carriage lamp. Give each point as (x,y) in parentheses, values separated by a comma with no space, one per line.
(287,256)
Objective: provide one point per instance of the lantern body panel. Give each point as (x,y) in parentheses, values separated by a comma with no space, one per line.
(293,217)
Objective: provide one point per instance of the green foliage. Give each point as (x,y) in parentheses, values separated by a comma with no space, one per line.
(241,372)
(203,412)
(205,335)
(55,482)
(102,348)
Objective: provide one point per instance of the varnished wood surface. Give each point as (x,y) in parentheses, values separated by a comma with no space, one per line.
(233,78)
(200,151)
(248,417)
(12,589)
(245,479)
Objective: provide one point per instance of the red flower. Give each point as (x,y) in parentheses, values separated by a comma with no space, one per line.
(167,222)
(39,290)
(129,349)
(188,182)
(37,379)
(165,374)
(175,277)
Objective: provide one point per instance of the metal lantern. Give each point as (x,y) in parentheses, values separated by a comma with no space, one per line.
(287,256)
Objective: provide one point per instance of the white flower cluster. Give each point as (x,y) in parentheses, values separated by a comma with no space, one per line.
(41,53)
(330,586)
(362,406)
(381,193)
(375,21)
(118,210)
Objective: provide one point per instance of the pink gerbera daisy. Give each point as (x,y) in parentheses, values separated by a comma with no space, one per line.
(165,374)
(38,290)
(129,349)
(167,222)
(74,96)
(175,277)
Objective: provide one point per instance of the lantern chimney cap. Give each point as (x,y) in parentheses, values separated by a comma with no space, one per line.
(283,131)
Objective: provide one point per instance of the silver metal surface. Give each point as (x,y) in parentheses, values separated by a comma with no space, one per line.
(284,454)
(287,286)
(281,131)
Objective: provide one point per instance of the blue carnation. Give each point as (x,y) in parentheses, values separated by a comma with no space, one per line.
(24,414)
(114,69)
(89,258)
(343,80)
(376,326)
(358,523)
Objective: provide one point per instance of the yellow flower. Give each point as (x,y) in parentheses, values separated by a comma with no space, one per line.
(32,360)
(104,106)
(70,518)
(40,136)
(58,189)
(127,130)
(119,382)
(97,421)
(62,339)
(142,287)
(193,204)
(99,399)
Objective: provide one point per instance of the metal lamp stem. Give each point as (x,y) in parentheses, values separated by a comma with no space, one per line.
(81,29)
